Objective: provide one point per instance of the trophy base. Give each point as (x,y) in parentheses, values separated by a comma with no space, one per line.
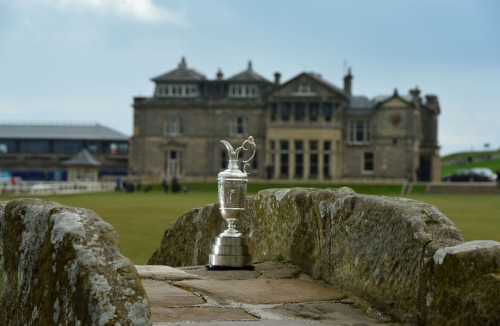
(229,253)
(228,268)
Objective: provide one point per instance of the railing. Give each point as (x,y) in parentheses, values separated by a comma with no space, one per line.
(34,188)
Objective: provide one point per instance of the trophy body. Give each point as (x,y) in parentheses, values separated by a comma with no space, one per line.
(230,250)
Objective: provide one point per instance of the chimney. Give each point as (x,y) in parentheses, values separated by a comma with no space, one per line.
(348,82)
(183,63)
(415,95)
(219,74)
(432,102)
(277,77)
(249,64)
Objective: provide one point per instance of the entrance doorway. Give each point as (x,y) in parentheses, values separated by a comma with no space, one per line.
(424,172)
(173,164)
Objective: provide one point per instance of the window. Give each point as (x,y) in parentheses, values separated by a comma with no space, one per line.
(173,126)
(173,163)
(368,162)
(284,145)
(313,159)
(299,159)
(112,148)
(313,145)
(299,165)
(238,126)
(299,111)
(34,146)
(274,111)
(93,147)
(255,162)
(359,132)
(284,156)
(8,146)
(270,169)
(327,147)
(284,109)
(122,148)
(175,90)
(327,111)
(313,111)
(67,146)
(304,88)
(284,165)
(243,90)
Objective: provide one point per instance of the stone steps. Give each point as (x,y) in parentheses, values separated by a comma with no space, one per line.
(274,294)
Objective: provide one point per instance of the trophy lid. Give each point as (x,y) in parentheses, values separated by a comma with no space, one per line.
(233,171)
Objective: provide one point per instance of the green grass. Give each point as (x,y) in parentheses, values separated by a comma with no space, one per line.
(494,165)
(475,155)
(141,219)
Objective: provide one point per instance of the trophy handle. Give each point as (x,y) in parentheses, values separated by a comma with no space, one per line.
(251,142)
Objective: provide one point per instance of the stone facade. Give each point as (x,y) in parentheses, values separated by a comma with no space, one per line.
(305,129)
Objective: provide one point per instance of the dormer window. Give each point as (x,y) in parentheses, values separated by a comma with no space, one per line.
(304,89)
(243,90)
(176,90)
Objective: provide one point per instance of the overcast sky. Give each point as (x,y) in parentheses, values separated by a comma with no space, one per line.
(85,60)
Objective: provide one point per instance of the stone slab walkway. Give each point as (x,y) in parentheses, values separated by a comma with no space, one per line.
(274,294)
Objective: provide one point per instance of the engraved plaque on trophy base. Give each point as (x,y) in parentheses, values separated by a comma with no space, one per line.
(230,253)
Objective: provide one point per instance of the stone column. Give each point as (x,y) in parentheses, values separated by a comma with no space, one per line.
(321,154)
(307,161)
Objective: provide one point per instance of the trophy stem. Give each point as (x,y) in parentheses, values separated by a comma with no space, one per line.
(231,230)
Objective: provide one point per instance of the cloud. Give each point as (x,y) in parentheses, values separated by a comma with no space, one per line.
(142,10)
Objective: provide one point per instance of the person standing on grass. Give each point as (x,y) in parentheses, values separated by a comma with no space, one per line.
(164,184)
(498,177)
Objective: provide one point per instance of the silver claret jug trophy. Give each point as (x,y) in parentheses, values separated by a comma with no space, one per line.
(230,250)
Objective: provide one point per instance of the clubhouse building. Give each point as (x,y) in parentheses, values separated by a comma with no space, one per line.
(305,128)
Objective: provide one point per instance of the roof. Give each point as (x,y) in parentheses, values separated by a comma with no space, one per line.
(319,79)
(81,131)
(382,98)
(182,73)
(359,103)
(83,158)
(248,75)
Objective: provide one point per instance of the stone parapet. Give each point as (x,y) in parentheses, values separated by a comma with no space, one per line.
(62,266)
(384,250)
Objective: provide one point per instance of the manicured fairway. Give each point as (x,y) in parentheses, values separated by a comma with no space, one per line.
(141,219)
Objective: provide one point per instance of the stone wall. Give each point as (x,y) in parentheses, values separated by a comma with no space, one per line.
(62,266)
(403,256)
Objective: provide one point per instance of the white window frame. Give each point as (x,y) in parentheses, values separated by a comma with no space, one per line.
(243,90)
(177,90)
(234,124)
(352,132)
(173,126)
(304,89)
(173,167)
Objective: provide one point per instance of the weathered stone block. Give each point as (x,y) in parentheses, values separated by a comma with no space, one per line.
(62,266)
(465,287)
